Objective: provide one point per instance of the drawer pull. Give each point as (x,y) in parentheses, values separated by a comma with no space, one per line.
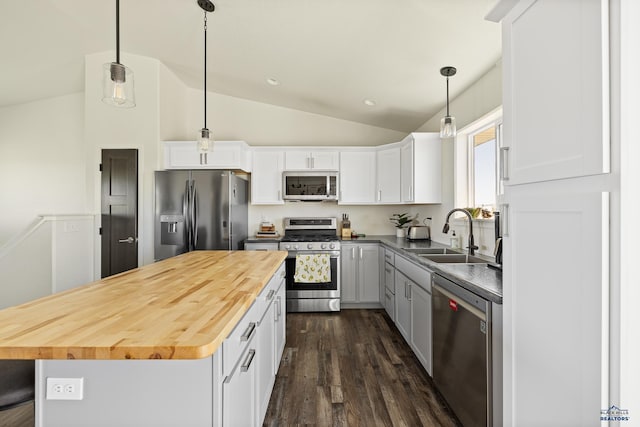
(271,294)
(248,332)
(247,362)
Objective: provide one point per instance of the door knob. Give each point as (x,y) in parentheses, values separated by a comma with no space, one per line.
(127,240)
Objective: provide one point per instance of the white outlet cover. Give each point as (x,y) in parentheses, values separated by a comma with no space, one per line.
(65,388)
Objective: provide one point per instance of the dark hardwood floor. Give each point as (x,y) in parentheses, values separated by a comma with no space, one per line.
(352,368)
(20,416)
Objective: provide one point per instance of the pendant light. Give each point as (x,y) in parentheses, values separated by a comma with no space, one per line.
(117,81)
(205,140)
(448,123)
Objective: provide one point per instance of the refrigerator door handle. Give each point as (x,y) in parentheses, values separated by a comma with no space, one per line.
(186,205)
(194,216)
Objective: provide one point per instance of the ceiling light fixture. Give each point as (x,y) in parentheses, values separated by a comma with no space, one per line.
(273,82)
(369,102)
(448,123)
(117,81)
(205,140)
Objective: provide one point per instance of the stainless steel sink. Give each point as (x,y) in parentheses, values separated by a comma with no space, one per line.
(454,258)
(431,251)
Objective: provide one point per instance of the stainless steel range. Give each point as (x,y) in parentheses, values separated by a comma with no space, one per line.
(312,236)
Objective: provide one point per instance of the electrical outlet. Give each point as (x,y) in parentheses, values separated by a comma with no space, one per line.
(65,388)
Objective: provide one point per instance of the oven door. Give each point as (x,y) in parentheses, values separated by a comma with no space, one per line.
(313,290)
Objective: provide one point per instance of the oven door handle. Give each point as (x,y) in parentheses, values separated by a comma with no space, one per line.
(332,254)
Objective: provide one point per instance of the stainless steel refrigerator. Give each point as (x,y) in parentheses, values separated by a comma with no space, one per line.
(199,209)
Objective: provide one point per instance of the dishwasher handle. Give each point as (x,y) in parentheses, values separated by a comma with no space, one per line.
(459,301)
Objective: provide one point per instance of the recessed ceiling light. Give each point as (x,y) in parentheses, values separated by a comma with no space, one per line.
(369,102)
(273,82)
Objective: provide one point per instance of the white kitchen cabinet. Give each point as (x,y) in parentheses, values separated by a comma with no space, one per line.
(225,155)
(265,374)
(360,280)
(296,159)
(280,317)
(555,90)
(421,325)
(357,177)
(239,397)
(420,168)
(266,177)
(388,175)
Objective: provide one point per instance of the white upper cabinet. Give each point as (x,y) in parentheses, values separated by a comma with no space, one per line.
(555,88)
(296,159)
(388,175)
(225,155)
(357,177)
(421,168)
(266,177)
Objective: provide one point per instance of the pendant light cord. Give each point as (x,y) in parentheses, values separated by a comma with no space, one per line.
(447,96)
(117,31)
(205,69)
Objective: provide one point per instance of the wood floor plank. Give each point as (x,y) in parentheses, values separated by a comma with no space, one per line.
(352,368)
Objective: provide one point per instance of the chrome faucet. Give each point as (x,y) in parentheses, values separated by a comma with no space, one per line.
(445,229)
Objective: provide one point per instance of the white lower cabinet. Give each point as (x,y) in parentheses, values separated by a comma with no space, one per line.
(359,276)
(259,339)
(413,308)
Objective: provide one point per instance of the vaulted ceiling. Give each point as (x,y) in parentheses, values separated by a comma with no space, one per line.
(328,56)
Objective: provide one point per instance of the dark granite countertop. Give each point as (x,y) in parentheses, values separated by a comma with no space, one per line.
(477,278)
(263,239)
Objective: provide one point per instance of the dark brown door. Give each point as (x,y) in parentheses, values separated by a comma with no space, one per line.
(119,211)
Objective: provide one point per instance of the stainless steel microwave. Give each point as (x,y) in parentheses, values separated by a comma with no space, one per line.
(310,185)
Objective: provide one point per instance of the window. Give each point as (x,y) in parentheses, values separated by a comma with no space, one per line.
(476,163)
(483,167)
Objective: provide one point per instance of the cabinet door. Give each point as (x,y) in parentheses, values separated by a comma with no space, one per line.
(558,299)
(555,85)
(238,390)
(406,172)
(297,159)
(280,316)
(349,272)
(357,177)
(266,178)
(265,375)
(421,325)
(225,155)
(403,305)
(388,175)
(325,160)
(368,273)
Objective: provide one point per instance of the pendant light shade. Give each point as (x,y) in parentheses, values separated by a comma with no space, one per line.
(448,123)
(117,80)
(205,138)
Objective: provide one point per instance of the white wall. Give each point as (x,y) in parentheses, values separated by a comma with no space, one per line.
(257,123)
(480,99)
(41,161)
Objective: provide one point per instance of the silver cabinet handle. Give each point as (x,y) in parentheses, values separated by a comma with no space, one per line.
(504,166)
(504,219)
(360,252)
(270,294)
(279,195)
(127,240)
(248,332)
(410,296)
(247,362)
(279,299)
(313,162)
(353,253)
(379,195)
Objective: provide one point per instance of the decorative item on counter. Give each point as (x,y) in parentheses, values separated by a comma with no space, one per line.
(486,214)
(474,212)
(346,227)
(267,230)
(400,221)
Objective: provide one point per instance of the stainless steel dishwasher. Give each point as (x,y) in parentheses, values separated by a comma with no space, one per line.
(462,351)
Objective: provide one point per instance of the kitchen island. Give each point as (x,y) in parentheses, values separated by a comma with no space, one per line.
(148,345)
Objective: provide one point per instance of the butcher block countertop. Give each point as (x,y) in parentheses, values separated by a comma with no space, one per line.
(180,308)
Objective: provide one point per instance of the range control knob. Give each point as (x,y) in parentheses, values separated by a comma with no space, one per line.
(295,247)
(323,246)
(287,247)
(332,246)
(309,245)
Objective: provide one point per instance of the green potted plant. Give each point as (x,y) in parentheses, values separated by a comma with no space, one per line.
(400,221)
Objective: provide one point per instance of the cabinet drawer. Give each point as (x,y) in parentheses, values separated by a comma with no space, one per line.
(389,278)
(389,304)
(389,256)
(238,340)
(261,246)
(417,274)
